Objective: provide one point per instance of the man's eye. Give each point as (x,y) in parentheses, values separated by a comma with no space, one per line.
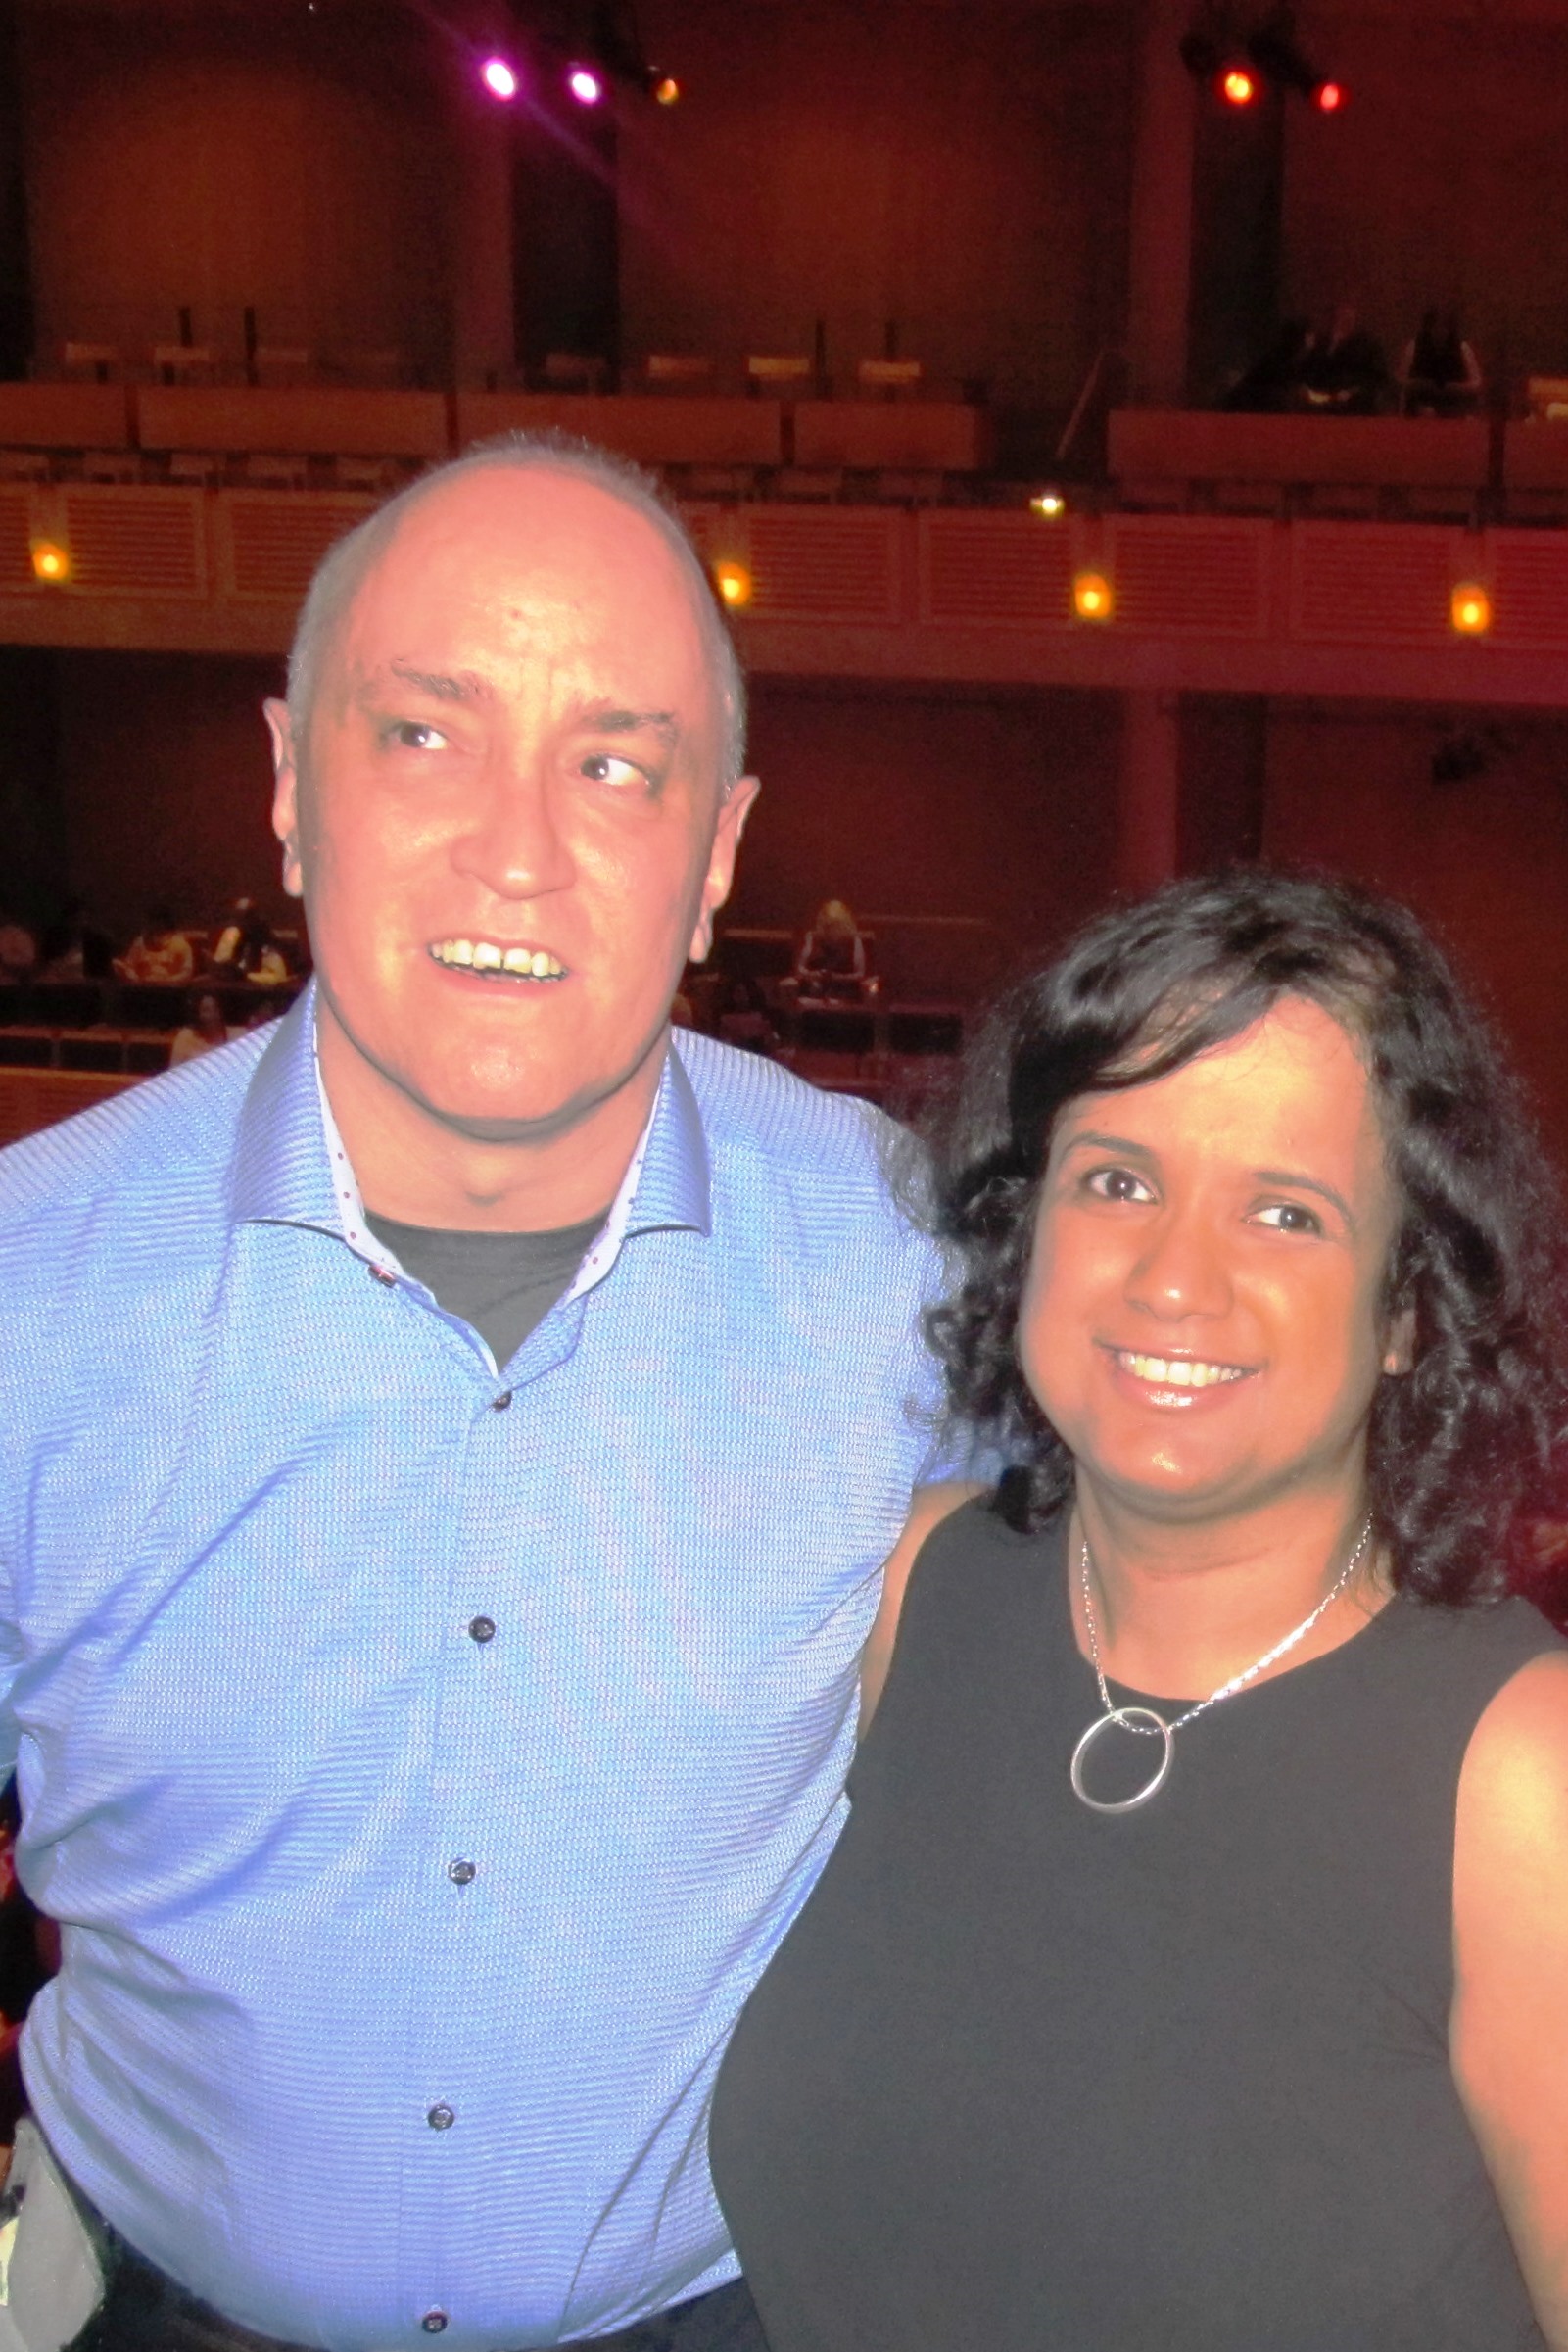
(608,767)
(1289,1217)
(414,734)
(1117,1184)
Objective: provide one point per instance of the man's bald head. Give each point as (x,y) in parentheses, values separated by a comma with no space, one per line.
(345,568)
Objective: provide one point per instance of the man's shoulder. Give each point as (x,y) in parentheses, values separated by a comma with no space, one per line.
(157,1135)
(756,1112)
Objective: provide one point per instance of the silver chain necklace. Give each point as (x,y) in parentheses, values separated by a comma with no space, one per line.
(1146,1721)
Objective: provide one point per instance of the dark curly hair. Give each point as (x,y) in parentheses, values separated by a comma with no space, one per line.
(1461,1445)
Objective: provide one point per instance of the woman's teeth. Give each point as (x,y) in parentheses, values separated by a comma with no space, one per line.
(484,955)
(1179,1372)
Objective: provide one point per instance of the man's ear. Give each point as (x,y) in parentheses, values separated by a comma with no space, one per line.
(732,814)
(285,792)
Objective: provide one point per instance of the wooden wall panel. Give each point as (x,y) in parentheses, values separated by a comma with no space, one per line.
(134,542)
(271,543)
(1009,571)
(1200,577)
(840,564)
(1389,584)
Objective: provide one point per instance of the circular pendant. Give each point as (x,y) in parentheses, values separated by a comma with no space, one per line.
(1140,1719)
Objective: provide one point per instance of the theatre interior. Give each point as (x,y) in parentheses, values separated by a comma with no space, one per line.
(1126,436)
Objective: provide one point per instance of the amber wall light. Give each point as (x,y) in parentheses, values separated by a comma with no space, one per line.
(733,583)
(1470,609)
(1092,598)
(51,562)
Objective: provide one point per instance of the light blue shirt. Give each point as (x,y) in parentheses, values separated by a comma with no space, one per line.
(399,1954)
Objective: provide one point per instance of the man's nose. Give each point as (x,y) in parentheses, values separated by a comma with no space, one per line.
(513,841)
(1182,1270)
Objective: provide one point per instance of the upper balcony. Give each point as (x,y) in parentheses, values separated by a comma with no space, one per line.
(861,538)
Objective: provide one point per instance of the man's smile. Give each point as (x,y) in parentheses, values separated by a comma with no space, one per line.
(495,961)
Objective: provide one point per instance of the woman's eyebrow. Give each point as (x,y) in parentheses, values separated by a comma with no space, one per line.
(1116,1144)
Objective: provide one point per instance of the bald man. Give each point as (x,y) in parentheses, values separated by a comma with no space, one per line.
(431,1667)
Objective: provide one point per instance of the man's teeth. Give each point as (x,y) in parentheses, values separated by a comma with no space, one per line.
(483,955)
(1179,1371)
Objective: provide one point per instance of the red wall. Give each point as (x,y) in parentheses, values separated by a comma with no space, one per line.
(1485,860)
(923,803)
(297,163)
(166,783)
(1441,180)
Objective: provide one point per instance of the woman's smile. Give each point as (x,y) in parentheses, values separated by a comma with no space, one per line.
(1174,1383)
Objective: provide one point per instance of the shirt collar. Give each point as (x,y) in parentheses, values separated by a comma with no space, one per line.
(290,1166)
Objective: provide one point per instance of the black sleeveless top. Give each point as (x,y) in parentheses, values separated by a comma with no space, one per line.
(1026,2078)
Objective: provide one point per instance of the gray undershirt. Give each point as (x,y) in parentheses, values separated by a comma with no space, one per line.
(504,1285)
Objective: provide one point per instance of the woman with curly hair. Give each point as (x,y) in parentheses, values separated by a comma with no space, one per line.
(1192,1969)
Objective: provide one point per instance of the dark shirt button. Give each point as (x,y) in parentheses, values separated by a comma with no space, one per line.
(462,1874)
(383,1273)
(434,2322)
(482,1629)
(500,1403)
(441,2117)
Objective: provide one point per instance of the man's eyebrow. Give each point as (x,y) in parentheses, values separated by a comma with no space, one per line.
(610,718)
(463,687)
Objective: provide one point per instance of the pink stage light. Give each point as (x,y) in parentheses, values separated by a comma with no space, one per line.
(585,86)
(499,77)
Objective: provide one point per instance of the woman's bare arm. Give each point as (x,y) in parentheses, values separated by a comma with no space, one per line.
(1510,1926)
(931,1506)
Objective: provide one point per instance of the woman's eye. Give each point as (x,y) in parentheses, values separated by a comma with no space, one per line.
(414,734)
(1117,1184)
(1289,1217)
(608,767)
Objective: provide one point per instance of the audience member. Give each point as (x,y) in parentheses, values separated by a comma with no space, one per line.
(1273,384)
(243,943)
(831,962)
(206,1029)
(1438,374)
(158,952)
(1345,371)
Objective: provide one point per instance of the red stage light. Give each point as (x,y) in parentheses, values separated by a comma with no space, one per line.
(585,84)
(1237,87)
(1328,97)
(499,77)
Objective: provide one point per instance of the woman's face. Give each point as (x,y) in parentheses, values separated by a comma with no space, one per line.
(1200,1320)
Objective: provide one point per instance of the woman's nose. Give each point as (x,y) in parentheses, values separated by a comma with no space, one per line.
(1182,1270)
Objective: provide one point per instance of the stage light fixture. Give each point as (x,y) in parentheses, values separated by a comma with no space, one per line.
(663,89)
(1092,598)
(499,77)
(1049,502)
(1329,96)
(585,86)
(51,562)
(1470,609)
(733,583)
(1237,87)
